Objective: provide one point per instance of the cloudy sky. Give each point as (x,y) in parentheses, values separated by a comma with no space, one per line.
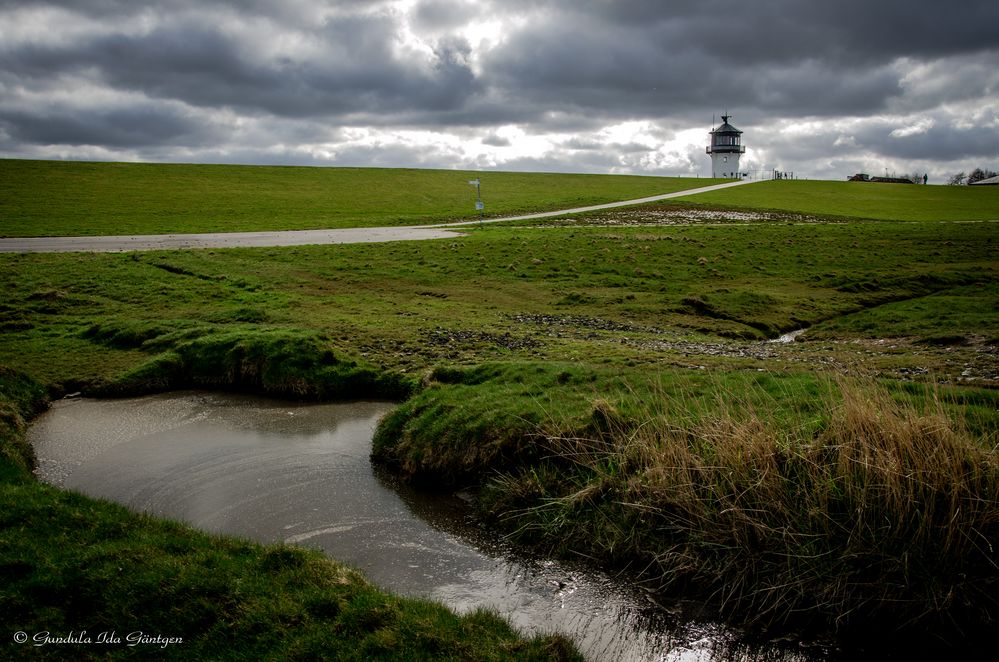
(824,88)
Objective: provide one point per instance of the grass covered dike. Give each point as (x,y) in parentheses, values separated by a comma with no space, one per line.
(607,390)
(867,200)
(141,198)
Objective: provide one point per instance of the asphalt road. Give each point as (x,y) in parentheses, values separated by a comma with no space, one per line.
(606,205)
(151,242)
(117,244)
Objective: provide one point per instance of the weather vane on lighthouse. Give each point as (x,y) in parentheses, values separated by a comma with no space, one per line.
(725,149)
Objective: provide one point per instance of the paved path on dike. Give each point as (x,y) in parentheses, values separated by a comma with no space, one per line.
(116,244)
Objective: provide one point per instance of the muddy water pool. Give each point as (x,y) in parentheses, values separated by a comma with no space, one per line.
(300,473)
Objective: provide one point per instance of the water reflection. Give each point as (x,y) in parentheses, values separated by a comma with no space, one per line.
(278,471)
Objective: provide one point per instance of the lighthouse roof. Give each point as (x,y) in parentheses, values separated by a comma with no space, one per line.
(726,127)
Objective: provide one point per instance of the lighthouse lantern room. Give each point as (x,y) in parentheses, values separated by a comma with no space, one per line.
(725,149)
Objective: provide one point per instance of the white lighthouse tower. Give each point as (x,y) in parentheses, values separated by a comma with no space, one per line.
(725,149)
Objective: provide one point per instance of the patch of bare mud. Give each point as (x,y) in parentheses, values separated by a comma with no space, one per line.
(442,337)
(579,322)
(588,328)
(975,363)
(645,216)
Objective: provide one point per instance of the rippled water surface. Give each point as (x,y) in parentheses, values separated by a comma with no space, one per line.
(278,471)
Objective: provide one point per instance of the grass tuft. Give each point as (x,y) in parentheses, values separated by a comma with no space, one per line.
(882,515)
(275,362)
(21,398)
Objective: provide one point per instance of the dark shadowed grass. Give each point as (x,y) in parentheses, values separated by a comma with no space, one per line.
(21,399)
(782,503)
(882,514)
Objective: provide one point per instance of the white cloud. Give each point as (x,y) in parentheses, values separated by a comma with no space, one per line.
(921,125)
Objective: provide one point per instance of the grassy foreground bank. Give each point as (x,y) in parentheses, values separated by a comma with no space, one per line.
(608,387)
(72,566)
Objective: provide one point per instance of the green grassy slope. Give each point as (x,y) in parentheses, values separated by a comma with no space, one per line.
(52,198)
(901,202)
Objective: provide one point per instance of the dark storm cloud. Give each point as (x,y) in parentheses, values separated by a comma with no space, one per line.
(858,30)
(596,145)
(89,7)
(582,144)
(788,57)
(297,71)
(203,66)
(443,14)
(944,142)
(618,59)
(560,162)
(496,141)
(116,127)
(928,139)
(394,156)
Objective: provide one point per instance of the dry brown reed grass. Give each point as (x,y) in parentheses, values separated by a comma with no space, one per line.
(883,512)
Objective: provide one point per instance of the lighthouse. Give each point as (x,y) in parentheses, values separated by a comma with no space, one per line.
(725,149)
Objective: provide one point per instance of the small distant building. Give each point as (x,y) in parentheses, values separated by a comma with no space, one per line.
(892,180)
(725,149)
(864,177)
(991,181)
